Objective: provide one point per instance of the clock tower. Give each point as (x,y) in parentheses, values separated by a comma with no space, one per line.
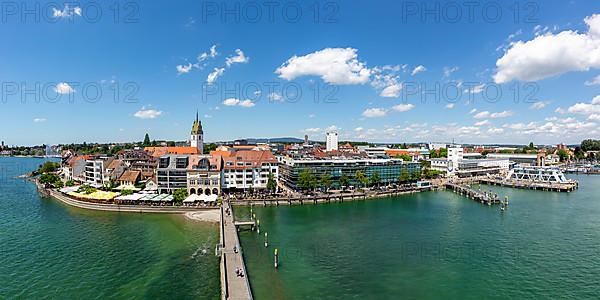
(197,136)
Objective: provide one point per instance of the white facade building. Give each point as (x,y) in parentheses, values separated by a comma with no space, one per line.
(455,155)
(332,141)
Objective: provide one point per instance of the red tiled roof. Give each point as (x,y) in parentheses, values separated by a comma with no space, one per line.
(130,176)
(161,151)
(254,157)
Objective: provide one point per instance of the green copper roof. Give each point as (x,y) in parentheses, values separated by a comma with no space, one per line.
(197,126)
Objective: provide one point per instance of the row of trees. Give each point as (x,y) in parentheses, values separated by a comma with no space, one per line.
(590,145)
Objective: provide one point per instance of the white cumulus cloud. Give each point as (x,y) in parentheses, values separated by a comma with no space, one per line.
(551,54)
(495,115)
(594,81)
(238,102)
(333,65)
(374,113)
(214,75)
(147,113)
(63,88)
(403,107)
(239,58)
(418,69)
(66,12)
(39,120)
(182,69)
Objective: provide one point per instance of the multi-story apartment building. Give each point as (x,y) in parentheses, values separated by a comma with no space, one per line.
(172,173)
(247,169)
(389,170)
(94,172)
(204,174)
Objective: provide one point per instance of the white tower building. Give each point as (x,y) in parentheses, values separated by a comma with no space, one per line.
(332,141)
(197,137)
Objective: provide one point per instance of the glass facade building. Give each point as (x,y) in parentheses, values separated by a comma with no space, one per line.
(389,170)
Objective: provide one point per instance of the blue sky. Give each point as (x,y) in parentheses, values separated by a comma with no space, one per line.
(375,57)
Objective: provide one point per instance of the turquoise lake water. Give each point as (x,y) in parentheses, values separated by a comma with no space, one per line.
(53,251)
(434,245)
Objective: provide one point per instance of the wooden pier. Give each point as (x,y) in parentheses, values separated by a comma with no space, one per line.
(484,197)
(233,286)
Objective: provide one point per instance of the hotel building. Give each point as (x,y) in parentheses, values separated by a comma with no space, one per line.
(172,173)
(247,169)
(389,169)
(204,175)
(332,141)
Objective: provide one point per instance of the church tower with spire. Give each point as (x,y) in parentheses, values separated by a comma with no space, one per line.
(197,137)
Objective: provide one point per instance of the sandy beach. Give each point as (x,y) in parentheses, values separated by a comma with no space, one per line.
(204,216)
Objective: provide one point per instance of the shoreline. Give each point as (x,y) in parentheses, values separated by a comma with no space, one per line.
(132,208)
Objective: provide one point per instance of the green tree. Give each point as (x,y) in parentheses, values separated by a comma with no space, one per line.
(179,195)
(375,179)
(70,183)
(325,181)
(146,140)
(49,166)
(126,192)
(404,175)
(307,180)
(563,154)
(344,181)
(404,157)
(210,147)
(50,179)
(361,178)
(271,184)
(415,175)
(590,145)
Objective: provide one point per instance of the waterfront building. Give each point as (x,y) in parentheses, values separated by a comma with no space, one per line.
(538,159)
(175,150)
(332,141)
(464,164)
(204,175)
(74,168)
(416,154)
(130,177)
(172,173)
(197,135)
(247,169)
(374,151)
(389,169)
(114,169)
(139,160)
(95,172)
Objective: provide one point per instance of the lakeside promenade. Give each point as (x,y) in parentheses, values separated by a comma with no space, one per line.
(122,208)
(233,286)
